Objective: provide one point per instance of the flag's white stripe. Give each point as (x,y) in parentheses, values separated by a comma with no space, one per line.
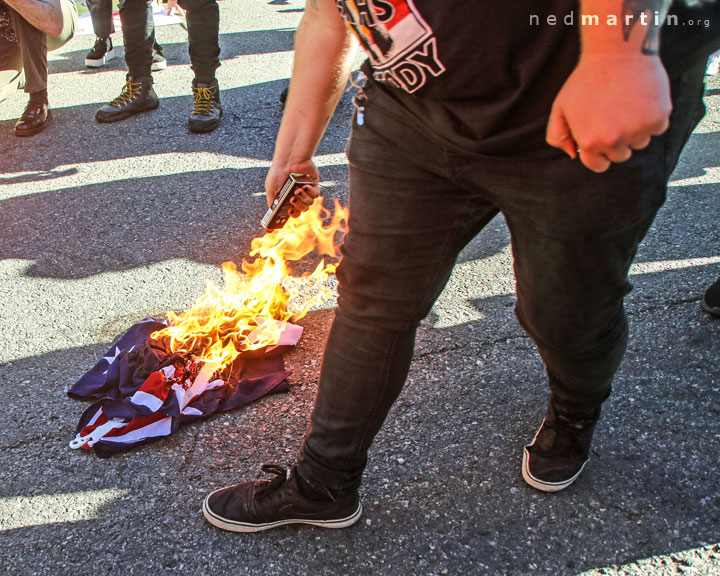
(169,371)
(179,394)
(201,383)
(159,428)
(23,511)
(194,391)
(185,396)
(190,411)
(94,418)
(101,430)
(141,398)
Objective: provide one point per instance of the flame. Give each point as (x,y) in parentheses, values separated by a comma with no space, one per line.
(248,312)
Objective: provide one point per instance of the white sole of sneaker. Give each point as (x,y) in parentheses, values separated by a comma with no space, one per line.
(109,55)
(711,309)
(541,484)
(158,66)
(245,527)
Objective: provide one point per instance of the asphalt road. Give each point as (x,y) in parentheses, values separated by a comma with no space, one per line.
(102,225)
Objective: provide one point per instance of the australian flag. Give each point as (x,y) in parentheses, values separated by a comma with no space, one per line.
(143,392)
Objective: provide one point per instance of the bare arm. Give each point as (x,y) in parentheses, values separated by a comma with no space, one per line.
(45,15)
(324,53)
(618,96)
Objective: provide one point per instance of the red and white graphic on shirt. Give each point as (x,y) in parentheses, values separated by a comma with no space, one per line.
(401,45)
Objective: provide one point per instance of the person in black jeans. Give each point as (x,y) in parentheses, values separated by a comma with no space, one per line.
(103,50)
(103,27)
(570,131)
(138,95)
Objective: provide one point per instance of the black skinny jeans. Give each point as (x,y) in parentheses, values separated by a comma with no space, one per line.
(203,19)
(101,16)
(415,203)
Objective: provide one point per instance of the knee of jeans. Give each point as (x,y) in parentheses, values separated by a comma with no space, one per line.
(369,298)
(575,336)
(369,314)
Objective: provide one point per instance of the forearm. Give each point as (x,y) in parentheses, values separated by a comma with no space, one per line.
(324,54)
(45,15)
(622,25)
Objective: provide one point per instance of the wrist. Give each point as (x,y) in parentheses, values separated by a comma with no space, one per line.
(622,25)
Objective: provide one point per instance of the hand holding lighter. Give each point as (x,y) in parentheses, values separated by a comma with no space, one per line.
(279,211)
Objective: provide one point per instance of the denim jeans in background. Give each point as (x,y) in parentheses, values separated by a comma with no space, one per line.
(138,28)
(203,22)
(415,203)
(202,17)
(101,17)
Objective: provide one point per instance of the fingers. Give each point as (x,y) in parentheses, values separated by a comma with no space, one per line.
(302,196)
(641,143)
(594,161)
(620,154)
(558,134)
(303,199)
(662,125)
(599,156)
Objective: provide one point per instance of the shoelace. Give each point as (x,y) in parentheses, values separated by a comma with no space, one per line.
(129,91)
(269,486)
(204,105)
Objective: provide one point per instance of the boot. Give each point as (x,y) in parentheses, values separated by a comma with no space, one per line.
(34,119)
(207,110)
(137,96)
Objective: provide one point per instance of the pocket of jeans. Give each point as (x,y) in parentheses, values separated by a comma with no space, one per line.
(383,128)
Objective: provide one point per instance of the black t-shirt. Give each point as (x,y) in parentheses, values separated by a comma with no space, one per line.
(479,75)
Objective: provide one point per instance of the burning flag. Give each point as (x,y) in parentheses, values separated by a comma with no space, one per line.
(222,353)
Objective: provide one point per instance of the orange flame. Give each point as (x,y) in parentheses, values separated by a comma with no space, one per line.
(244,314)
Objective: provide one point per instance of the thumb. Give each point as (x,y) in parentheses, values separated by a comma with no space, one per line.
(558,133)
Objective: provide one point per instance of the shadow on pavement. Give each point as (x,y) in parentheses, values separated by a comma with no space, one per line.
(251,118)
(232,45)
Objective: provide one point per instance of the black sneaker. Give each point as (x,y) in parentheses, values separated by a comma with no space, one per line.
(711,300)
(559,451)
(101,53)
(256,506)
(207,109)
(137,96)
(158,60)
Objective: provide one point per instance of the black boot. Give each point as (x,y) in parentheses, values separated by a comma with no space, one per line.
(137,96)
(207,110)
(36,116)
